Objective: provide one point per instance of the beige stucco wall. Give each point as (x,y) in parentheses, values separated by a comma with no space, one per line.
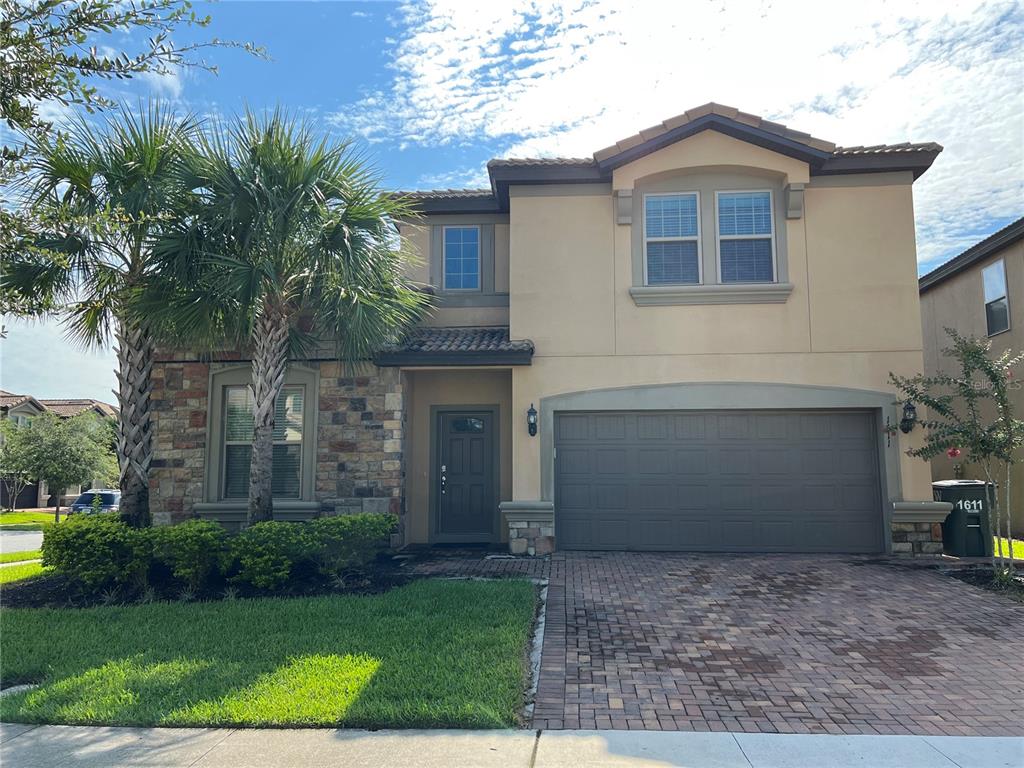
(449,387)
(417,237)
(851,318)
(959,302)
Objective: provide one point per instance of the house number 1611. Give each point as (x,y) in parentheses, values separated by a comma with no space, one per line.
(969,505)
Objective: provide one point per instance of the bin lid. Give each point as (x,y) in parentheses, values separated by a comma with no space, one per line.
(951,483)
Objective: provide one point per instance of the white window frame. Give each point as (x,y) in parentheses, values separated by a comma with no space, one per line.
(1005,297)
(224,443)
(689,238)
(719,237)
(479,258)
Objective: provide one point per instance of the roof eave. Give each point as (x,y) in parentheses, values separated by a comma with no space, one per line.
(457,359)
(758,136)
(991,245)
(917,162)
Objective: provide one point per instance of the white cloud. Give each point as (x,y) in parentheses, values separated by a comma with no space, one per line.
(167,85)
(570,77)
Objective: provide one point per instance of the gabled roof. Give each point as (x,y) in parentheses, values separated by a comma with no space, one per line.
(10,400)
(823,157)
(67,407)
(457,346)
(991,245)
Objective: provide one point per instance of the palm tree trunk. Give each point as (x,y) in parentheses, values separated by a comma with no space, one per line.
(269,361)
(134,424)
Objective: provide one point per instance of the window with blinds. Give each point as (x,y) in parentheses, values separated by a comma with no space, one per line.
(672,239)
(746,238)
(288,429)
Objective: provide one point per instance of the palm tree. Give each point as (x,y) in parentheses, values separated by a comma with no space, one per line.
(289,243)
(101,193)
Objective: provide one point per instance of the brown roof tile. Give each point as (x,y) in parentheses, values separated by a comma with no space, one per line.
(68,407)
(467,340)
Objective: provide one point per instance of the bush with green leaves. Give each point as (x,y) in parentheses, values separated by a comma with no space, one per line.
(191,551)
(267,555)
(350,542)
(97,552)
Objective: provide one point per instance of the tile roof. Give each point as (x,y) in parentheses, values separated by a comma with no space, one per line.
(10,400)
(711,108)
(992,244)
(885,149)
(467,340)
(824,157)
(426,194)
(67,407)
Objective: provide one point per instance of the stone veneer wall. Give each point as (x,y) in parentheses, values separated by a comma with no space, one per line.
(916,538)
(360,434)
(179,440)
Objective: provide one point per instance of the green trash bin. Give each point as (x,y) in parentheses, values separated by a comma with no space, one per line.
(965,531)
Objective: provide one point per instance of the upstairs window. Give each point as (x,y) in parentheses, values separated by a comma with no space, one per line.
(672,239)
(746,237)
(288,429)
(997,305)
(462,258)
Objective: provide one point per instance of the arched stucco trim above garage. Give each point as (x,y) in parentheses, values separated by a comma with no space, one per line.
(701,396)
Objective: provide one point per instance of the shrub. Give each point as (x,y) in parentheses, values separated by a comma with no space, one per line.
(350,542)
(98,551)
(266,555)
(191,551)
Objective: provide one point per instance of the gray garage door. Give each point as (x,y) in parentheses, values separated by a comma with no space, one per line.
(744,481)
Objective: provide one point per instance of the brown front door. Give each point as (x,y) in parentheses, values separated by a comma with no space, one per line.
(464,477)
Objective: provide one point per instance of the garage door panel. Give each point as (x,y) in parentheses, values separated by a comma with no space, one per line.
(718,481)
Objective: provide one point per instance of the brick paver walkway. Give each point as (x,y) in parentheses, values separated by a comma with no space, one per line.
(776,644)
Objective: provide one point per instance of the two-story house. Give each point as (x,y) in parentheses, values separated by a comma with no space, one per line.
(977,293)
(682,342)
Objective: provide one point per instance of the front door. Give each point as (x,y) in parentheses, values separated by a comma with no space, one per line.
(466,503)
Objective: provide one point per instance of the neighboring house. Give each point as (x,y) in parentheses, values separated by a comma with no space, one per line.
(703,318)
(979,293)
(22,409)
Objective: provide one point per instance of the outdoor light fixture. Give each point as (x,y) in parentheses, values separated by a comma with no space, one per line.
(531,420)
(909,417)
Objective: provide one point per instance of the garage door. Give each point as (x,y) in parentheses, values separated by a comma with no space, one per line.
(743,481)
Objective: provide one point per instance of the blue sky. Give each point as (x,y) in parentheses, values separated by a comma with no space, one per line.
(433,89)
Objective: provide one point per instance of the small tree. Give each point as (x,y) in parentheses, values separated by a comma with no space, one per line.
(971,413)
(63,452)
(15,464)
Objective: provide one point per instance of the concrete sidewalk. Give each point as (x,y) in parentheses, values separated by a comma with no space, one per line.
(25,746)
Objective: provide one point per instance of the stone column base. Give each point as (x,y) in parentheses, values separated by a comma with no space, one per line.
(531,526)
(917,527)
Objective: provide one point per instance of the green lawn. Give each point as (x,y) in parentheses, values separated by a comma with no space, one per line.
(1018,548)
(17,557)
(23,520)
(430,654)
(13,573)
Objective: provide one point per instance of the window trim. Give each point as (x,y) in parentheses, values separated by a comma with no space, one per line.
(479,258)
(1004,297)
(224,442)
(719,236)
(225,374)
(689,238)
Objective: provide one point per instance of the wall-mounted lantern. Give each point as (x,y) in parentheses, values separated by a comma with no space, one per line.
(531,420)
(909,417)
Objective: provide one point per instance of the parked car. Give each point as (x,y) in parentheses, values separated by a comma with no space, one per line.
(109,501)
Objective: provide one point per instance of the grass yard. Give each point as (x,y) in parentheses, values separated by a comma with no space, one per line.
(17,557)
(26,520)
(1018,548)
(12,573)
(430,654)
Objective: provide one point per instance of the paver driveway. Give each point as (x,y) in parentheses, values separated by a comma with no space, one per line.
(772,643)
